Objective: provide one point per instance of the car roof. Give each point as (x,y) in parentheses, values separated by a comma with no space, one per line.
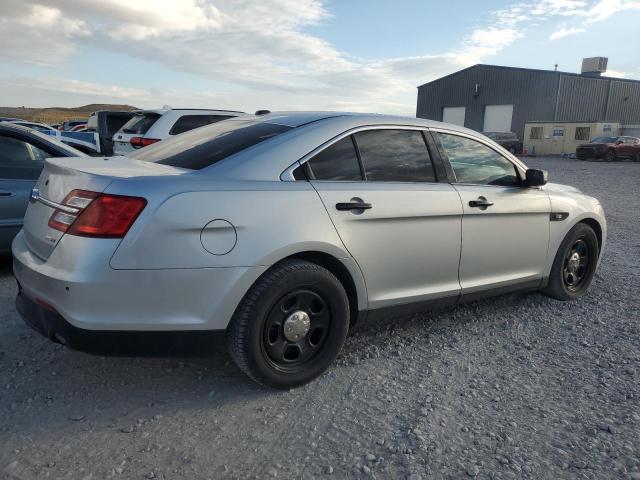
(161,111)
(14,128)
(309,130)
(298,119)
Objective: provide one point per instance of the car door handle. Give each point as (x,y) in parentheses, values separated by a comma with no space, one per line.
(353,206)
(481,202)
(7,194)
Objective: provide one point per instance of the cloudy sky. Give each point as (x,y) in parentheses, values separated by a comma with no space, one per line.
(364,55)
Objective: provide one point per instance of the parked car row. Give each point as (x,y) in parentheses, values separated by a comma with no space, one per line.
(23,151)
(25,145)
(610,148)
(150,126)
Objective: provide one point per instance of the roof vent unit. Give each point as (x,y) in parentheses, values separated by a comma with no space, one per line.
(594,66)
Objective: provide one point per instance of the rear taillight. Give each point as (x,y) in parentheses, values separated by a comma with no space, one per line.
(98,215)
(139,142)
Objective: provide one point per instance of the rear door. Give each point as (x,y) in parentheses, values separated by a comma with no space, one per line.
(505,227)
(20,165)
(399,223)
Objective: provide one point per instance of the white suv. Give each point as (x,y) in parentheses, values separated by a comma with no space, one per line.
(151,126)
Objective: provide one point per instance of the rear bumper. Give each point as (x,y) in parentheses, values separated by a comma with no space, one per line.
(78,283)
(53,326)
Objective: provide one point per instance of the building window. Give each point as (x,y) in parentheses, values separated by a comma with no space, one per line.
(583,133)
(536,133)
(558,132)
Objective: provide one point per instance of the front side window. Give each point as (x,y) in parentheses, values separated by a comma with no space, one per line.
(475,163)
(395,156)
(338,162)
(20,160)
(205,146)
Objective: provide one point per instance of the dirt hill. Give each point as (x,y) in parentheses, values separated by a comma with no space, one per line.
(59,114)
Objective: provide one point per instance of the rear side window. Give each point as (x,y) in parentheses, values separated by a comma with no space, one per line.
(141,123)
(205,146)
(20,160)
(339,162)
(395,156)
(189,122)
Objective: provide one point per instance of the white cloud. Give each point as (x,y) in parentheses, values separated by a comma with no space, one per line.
(564,32)
(258,53)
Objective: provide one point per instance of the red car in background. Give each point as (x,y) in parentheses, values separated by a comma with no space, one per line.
(611,148)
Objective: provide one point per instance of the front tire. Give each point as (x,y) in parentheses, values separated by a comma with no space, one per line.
(574,265)
(290,326)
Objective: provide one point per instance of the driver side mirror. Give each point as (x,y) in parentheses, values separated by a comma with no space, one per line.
(619,142)
(536,178)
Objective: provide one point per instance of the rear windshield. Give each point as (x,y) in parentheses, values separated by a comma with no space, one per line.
(115,121)
(141,123)
(207,145)
(604,140)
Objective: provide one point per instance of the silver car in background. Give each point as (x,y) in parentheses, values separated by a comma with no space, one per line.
(285,229)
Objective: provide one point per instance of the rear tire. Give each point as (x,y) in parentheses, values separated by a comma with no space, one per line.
(290,326)
(611,156)
(574,265)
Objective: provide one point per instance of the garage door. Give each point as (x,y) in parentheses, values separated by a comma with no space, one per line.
(497,118)
(453,115)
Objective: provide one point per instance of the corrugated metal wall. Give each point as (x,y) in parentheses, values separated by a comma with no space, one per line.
(536,95)
(582,99)
(624,102)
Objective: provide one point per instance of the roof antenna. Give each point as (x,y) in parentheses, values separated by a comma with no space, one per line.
(556,69)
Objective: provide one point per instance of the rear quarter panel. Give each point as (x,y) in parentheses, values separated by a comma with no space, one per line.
(272,220)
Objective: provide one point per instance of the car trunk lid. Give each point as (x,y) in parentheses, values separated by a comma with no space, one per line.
(60,176)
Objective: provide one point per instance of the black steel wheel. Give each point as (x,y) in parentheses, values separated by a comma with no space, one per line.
(574,264)
(296,328)
(291,324)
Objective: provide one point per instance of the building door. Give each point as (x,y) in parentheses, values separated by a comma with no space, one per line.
(497,118)
(454,115)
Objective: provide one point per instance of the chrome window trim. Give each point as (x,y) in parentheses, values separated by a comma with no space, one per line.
(287,175)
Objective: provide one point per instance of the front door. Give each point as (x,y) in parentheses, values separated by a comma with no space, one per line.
(505,226)
(401,226)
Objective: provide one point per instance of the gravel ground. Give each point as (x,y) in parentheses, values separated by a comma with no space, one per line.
(518,386)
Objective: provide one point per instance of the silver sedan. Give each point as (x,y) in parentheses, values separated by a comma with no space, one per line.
(286,229)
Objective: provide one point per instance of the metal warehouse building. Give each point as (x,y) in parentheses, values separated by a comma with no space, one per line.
(490,98)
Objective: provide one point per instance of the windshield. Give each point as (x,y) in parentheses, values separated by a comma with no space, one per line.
(140,123)
(604,140)
(207,145)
